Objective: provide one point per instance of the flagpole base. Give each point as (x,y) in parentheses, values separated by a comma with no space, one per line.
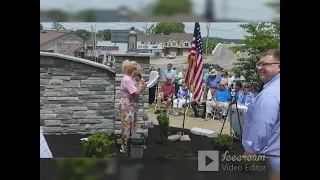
(185,138)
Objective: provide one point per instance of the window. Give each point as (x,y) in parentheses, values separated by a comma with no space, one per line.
(142,42)
(154,46)
(173,44)
(186,44)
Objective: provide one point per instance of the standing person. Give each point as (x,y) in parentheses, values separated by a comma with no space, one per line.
(261,131)
(237,77)
(152,90)
(130,91)
(225,77)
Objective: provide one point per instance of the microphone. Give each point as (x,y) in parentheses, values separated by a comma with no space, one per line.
(139,75)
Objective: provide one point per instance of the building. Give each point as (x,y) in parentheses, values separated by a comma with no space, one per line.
(178,44)
(61,41)
(155,50)
(104,49)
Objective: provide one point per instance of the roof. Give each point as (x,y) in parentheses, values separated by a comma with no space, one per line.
(48,35)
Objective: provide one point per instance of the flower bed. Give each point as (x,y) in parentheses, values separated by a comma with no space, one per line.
(172,159)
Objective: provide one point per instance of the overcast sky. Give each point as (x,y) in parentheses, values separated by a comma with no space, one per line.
(221,30)
(249,10)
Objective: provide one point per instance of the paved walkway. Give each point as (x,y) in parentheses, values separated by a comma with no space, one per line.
(190,122)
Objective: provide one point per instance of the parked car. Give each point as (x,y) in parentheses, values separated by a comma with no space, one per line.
(171,56)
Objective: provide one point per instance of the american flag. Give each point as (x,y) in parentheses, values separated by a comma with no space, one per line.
(195,70)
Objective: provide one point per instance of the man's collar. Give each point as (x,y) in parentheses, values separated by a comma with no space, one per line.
(271,80)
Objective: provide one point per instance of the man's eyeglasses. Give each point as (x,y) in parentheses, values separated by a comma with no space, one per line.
(246,87)
(264,64)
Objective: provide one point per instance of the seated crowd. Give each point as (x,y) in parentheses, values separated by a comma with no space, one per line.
(216,94)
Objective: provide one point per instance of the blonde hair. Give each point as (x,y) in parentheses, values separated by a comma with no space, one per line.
(129,66)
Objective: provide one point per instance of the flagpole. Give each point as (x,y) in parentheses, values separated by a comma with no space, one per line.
(184,114)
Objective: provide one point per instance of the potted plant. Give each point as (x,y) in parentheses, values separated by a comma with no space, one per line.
(163,120)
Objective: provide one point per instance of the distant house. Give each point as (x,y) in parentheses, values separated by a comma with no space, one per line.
(61,41)
(178,44)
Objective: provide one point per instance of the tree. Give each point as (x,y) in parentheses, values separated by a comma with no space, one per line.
(83,33)
(275,6)
(88,15)
(106,33)
(167,28)
(41,27)
(172,7)
(263,36)
(58,15)
(57,26)
(211,45)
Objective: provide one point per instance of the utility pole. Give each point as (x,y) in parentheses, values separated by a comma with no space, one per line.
(146,48)
(208,28)
(92,38)
(95,42)
(224,9)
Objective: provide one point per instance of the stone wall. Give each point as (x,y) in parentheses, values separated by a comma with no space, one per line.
(76,95)
(143,104)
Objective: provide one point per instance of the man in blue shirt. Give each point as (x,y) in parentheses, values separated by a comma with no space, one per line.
(213,79)
(221,100)
(261,131)
(169,72)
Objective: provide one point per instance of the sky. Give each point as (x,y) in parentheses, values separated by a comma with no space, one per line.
(249,10)
(221,30)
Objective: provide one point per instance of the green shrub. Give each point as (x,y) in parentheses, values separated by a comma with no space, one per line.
(96,145)
(163,120)
(78,168)
(223,142)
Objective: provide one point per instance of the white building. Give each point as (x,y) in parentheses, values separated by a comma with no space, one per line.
(154,49)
